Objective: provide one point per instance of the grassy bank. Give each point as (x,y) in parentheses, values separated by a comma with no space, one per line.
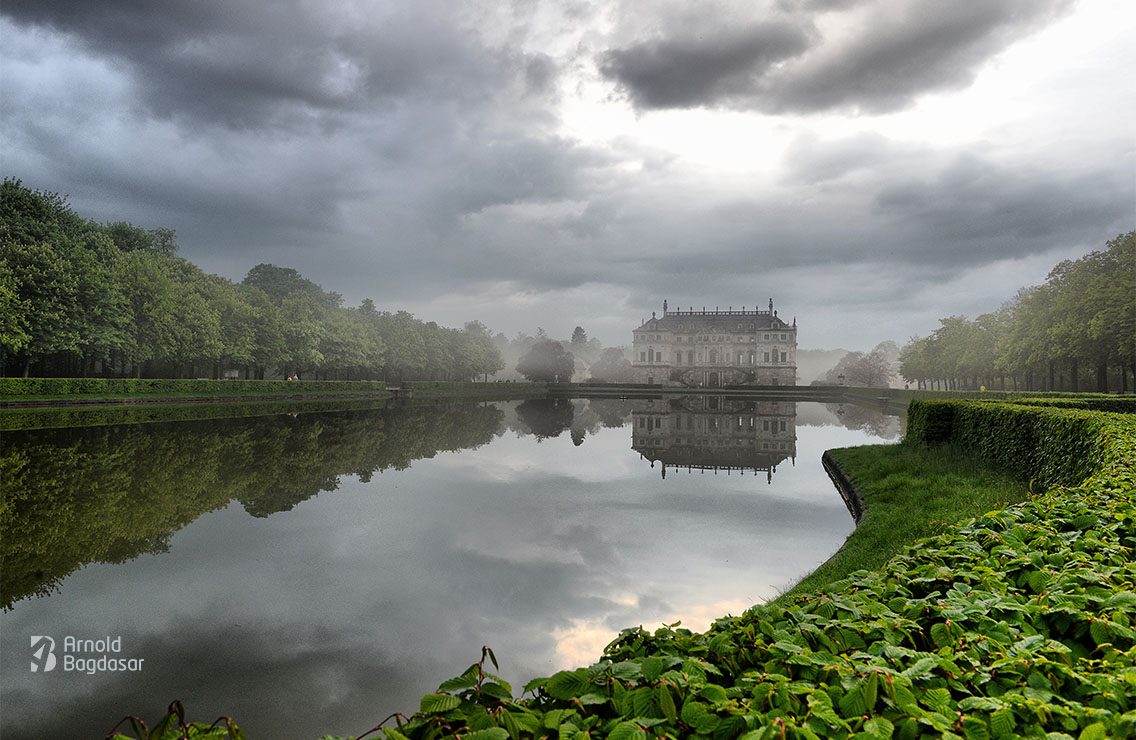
(910,491)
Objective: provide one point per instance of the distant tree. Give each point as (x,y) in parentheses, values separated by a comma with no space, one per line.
(613,367)
(579,337)
(870,369)
(547,361)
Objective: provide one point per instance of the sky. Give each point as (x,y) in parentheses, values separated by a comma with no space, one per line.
(872,166)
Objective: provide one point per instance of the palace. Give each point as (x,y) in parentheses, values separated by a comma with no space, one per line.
(711,349)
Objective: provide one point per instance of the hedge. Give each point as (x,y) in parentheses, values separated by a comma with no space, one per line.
(161,386)
(1114,404)
(1046,443)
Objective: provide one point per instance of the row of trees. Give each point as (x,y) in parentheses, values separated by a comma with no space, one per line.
(1050,337)
(79,298)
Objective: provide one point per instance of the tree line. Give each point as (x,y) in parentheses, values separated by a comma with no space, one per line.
(80,298)
(1079,324)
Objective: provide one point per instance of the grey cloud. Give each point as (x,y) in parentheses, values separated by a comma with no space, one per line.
(691,72)
(286,65)
(894,52)
(974,211)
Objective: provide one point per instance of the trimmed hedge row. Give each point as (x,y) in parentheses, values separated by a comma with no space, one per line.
(1113,404)
(1050,445)
(164,386)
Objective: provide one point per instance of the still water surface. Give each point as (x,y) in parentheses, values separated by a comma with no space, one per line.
(311,574)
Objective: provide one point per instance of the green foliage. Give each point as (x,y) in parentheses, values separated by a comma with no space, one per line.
(1082,319)
(172,726)
(79,298)
(908,492)
(1041,442)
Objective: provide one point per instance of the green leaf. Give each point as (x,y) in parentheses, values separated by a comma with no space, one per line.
(714,693)
(1002,722)
(666,703)
(1095,731)
(497,691)
(923,667)
(853,704)
(1122,600)
(489,733)
(879,727)
(465,681)
(438,703)
(627,731)
(568,684)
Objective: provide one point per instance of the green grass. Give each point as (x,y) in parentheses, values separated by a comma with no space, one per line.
(910,491)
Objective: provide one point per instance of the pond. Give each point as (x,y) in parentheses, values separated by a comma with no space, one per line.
(313,573)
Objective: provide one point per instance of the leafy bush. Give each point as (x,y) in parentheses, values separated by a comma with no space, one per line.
(1052,445)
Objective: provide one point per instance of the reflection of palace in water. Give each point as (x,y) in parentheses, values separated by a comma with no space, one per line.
(715,433)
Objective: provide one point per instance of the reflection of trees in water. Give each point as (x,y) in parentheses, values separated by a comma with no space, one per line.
(109,494)
(546,417)
(612,413)
(851,416)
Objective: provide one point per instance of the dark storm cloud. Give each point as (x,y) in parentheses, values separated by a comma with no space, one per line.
(689,72)
(282,64)
(894,52)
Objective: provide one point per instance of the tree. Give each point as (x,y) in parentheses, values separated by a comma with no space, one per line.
(579,337)
(870,370)
(547,361)
(613,367)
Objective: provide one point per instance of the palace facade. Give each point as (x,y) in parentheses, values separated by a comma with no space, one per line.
(712,349)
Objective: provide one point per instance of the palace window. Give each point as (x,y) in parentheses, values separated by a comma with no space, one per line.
(767,357)
(784,356)
(690,357)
